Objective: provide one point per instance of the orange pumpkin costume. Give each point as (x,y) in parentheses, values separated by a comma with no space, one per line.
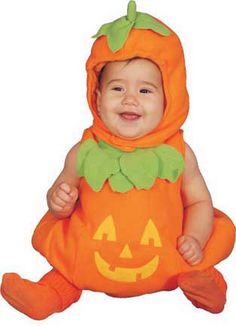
(124,243)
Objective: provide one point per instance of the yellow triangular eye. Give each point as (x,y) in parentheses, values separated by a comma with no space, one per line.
(151,233)
(107,227)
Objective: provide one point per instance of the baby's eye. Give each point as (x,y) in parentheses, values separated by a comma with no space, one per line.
(145,90)
(117,88)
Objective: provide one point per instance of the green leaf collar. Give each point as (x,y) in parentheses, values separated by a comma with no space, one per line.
(98,162)
(117,31)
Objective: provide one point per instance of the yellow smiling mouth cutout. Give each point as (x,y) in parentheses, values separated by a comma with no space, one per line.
(121,274)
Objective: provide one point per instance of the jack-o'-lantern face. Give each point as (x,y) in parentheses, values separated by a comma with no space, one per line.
(126,274)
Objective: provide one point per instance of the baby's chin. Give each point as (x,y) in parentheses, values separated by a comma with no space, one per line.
(129,135)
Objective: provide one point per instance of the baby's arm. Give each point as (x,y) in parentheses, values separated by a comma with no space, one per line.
(198,211)
(63,194)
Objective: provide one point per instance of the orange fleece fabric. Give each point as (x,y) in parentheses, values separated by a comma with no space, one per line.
(124,244)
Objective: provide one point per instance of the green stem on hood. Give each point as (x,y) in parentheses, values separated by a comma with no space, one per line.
(117,32)
(131,14)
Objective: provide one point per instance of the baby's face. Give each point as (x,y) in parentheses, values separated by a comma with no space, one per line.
(130,100)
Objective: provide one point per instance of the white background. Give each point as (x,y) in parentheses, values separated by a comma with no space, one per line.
(43,48)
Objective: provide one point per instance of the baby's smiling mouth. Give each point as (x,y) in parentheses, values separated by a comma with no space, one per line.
(129,116)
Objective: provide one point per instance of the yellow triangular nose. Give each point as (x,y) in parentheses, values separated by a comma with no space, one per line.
(126,253)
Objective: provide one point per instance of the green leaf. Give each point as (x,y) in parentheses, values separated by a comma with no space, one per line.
(98,167)
(118,33)
(141,167)
(99,162)
(145,21)
(103,30)
(171,162)
(110,150)
(82,152)
(120,183)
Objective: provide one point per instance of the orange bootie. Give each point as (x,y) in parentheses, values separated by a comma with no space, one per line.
(205,289)
(38,300)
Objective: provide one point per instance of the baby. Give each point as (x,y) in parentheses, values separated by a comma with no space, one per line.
(131,177)
(130,102)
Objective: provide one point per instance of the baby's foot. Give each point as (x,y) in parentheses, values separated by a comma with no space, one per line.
(37,301)
(205,289)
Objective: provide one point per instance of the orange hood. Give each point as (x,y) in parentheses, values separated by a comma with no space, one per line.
(167,53)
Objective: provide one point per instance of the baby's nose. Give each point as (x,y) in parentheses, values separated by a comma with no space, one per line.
(130,99)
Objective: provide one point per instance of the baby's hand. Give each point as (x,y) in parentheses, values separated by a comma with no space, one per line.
(63,199)
(190,249)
